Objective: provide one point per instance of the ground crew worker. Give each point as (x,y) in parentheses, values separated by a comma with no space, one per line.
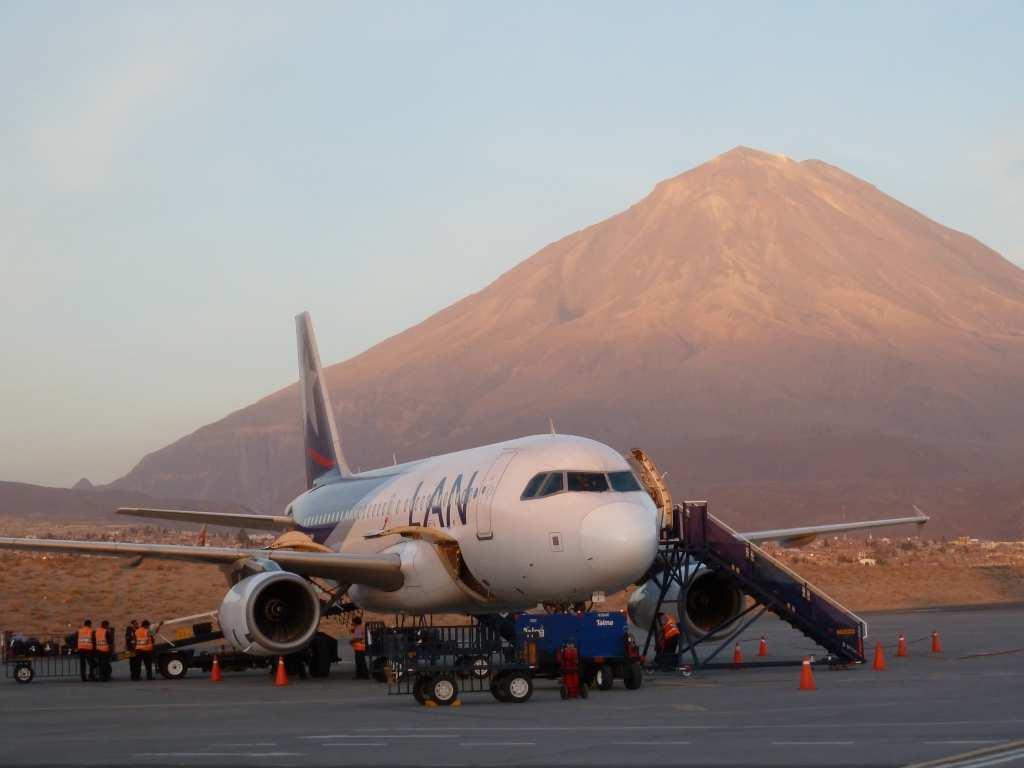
(668,636)
(84,645)
(144,646)
(358,643)
(104,640)
(134,664)
(101,650)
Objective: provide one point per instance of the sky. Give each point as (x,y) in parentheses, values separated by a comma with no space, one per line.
(178,180)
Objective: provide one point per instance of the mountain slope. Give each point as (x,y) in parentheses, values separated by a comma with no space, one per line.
(755,320)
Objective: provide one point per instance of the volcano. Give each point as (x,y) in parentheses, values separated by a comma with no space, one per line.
(781,336)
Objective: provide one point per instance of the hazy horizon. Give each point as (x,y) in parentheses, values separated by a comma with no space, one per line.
(180,181)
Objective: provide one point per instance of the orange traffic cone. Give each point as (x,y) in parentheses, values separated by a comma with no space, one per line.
(901,646)
(281,678)
(879,658)
(737,655)
(762,647)
(936,643)
(215,670)
(807,677)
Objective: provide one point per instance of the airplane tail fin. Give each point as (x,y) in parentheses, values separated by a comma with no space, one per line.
(322,448)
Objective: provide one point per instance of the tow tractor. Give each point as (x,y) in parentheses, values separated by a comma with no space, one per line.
(176,650)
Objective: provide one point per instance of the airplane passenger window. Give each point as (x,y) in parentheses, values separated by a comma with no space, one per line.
(593,482)
(623,481)
(533,486)
(554,484)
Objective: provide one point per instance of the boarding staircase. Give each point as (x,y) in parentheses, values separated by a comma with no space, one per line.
(697,535)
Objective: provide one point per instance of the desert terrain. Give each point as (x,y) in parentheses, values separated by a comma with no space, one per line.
(50,594)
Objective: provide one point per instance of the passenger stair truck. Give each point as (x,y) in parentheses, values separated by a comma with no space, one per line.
(696,539)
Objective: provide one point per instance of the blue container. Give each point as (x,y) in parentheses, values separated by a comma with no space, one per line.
(595,634)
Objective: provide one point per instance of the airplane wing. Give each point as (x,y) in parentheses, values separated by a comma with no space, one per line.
(258,522)
(797,537)
(383,571)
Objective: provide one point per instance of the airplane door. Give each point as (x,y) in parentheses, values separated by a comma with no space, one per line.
(484,501)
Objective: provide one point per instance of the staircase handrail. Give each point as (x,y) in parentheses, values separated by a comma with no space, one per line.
(793,574)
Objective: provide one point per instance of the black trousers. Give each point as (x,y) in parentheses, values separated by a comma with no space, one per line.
(146,658)
(85,665)
(103,666)
(135,666)
(362,673)
(669,653)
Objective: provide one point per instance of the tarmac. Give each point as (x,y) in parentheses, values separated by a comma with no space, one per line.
(967,701)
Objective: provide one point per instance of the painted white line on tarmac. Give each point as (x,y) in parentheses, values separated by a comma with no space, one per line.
(658,743)
(385,736)
(497,744)
(347,744)
(219,754)
(248,744)
(811,743)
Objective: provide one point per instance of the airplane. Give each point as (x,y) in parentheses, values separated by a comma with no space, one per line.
(547,518)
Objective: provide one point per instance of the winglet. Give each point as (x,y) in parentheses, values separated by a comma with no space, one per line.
(322,447)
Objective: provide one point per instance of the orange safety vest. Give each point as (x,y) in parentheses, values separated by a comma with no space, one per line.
(84,639)
(669,628)
(102,646)
(358,640)
(143,640)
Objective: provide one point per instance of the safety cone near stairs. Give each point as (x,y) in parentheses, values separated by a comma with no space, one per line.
(215,670)
(737,655)
(936,643)
(901,647)
(879,664)
(807,676)
(281,678)
(762,647)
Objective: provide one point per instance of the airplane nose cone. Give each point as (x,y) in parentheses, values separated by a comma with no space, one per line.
(620,541)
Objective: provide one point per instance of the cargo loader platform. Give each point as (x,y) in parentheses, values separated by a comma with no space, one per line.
(696,540)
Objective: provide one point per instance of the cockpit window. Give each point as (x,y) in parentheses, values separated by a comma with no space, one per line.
(623,481)
(593,482)
(534,485)
(554,484)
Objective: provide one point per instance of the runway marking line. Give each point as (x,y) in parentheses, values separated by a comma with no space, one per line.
(497,744)
(354,744)
(658,743)
(811,743)
(219,754)
(384,736)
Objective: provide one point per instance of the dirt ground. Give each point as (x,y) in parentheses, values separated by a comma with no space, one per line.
(47,594)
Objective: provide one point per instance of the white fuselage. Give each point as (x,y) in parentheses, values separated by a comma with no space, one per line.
(559,546)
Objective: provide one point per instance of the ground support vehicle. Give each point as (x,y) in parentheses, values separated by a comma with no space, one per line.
(436,664)
(176,653)
(605,646)
(25,657)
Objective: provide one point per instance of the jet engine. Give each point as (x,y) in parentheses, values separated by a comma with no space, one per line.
(712,601)
(270,613)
